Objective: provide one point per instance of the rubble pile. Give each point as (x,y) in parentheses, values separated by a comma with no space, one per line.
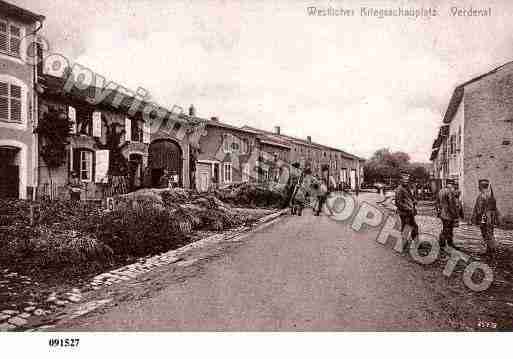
(250,195)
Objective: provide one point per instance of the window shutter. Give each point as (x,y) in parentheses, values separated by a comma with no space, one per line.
(15,103)
(3,36)
(15,40)
(146,132)
(97,124)
(72,115)
(76,161)
(128,129)
(4,101)
(93,165)
(102,166)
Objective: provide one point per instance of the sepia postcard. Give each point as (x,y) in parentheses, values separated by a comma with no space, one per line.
(259,166)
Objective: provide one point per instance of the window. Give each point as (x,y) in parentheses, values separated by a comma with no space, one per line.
(452,144)
(10,38)
(86,166)
(245,146)
(226,144)
(10,102)
(235,146)
(136,131)
(84,121)
(227,172)
(458,145)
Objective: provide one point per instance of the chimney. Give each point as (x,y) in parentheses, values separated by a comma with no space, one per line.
(277,130)
(192,111)
(309,139)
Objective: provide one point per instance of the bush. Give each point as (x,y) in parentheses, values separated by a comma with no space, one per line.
(139,232)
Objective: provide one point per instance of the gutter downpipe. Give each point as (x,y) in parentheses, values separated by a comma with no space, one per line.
(35,120)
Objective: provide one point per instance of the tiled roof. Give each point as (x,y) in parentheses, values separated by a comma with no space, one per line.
(54,87)
(306,143)
(9,10)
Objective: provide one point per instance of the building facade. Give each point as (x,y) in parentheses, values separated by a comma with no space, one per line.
(116,146)
(18,103)
(344,167)
(475,139)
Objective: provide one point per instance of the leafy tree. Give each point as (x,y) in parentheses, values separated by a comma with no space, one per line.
(386,166)
(54,130)
(118,164)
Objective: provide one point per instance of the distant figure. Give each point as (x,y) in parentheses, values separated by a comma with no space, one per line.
(75,187)
(321,196)
(449,212)
(405,204)
(485,213)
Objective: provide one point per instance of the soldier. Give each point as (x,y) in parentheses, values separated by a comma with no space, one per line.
(405,204)
(449,212)
(485,213)
(292,185)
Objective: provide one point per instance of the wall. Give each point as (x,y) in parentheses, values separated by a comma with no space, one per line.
(211,148)
(488,107)
(15,70)
(60,176)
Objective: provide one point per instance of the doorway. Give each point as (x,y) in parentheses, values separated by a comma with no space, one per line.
(9,172)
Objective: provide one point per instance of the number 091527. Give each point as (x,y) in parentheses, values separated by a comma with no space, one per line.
(64,342)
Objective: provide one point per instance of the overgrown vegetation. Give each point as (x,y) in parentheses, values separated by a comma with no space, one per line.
(84,237)
(54,130)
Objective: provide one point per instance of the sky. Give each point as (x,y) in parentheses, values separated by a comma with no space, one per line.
(358,83)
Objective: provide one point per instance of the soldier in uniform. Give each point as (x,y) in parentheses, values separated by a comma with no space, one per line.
(292,184)
(485,213)
(449,212)
(405,204)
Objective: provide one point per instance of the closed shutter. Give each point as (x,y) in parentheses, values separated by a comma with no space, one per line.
(15,40)
(146,132)
(101,167)
(97,124)
(72,115)
(128,129)
(4,101)
(4,37)
(15,103)
(76,161)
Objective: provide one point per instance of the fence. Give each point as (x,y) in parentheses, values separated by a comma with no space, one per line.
(116,185)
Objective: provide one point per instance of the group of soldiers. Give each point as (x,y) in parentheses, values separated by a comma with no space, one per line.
(449,209)
(303,187)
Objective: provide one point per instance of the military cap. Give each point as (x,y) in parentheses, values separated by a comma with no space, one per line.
(483,183)
(405,176)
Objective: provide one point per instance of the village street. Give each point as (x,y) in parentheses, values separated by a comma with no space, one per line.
(300,273)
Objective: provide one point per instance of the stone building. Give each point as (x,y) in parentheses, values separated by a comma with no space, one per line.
(99,132)
(18,103)
(229,154)
(475,139)
(344,167)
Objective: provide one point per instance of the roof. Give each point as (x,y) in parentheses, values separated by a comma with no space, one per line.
(54,87)
(272,141)
(458,93)
(220,124)
(305,142)
(25,15)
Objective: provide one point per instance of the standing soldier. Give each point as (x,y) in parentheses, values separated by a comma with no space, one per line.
(292,185)
(485,213)
(405,204)
(449,212)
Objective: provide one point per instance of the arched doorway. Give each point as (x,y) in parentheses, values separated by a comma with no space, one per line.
(165,155)
(10,172)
